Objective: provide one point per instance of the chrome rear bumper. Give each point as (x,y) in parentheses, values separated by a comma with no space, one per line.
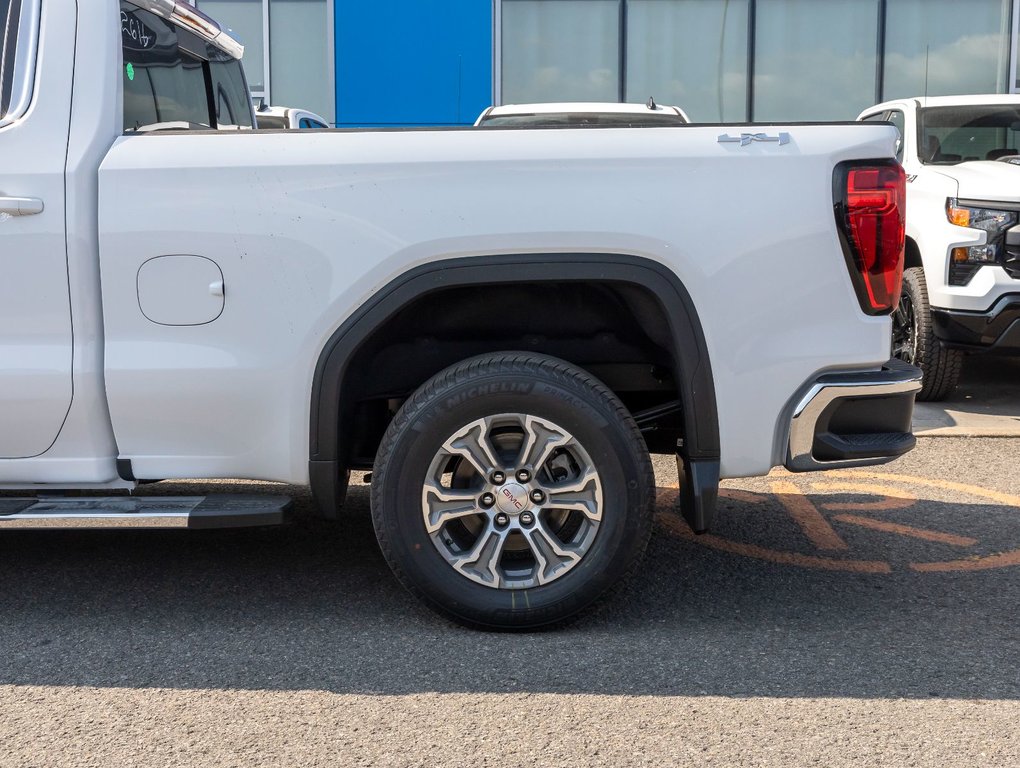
(854,419)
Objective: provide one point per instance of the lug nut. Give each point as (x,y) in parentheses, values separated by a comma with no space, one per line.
(502,519)
(537,496)
(487,500)
(527,518)
(523,475)
(498,478)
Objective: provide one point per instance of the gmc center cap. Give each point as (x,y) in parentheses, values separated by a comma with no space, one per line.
(512,499)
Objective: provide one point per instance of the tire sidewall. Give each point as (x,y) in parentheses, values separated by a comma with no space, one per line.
(585,413)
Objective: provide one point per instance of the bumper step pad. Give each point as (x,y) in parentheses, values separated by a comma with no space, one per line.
(865,446)
(157,512)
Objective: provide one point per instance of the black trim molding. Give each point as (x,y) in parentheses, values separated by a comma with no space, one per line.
(124,470)
(997,329)
(693,374)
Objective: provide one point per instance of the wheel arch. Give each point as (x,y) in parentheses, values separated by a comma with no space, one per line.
(911,254)
(331,420)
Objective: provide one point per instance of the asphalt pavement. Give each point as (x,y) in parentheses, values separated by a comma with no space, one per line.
(846,618)
(985,404)
(835,619)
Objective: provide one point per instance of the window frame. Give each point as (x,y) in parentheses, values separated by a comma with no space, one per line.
(26,44)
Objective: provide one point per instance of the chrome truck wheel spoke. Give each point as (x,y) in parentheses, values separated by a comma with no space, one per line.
(444,505)
(481,564)
(512,501)
(472,443)
(551,556)
(542,438)
(583,495)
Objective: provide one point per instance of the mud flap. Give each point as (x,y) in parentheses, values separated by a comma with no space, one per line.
(699,491)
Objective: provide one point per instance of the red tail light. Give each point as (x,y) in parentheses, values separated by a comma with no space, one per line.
(870,210)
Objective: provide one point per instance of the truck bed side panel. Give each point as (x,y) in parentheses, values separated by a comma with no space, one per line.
(305,227)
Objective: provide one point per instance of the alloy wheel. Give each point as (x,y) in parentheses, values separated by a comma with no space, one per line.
(512,501)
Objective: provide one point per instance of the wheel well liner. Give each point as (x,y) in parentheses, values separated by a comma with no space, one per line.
(689,350)
(911,254)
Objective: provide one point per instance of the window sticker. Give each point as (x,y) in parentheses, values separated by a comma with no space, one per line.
(135,34)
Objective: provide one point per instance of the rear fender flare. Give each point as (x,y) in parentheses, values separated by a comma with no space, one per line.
(690,352)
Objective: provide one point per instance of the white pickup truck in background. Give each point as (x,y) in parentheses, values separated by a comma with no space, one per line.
(961,287)
(501,323)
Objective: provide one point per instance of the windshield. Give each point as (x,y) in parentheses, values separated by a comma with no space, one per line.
(950,135)
(584,120)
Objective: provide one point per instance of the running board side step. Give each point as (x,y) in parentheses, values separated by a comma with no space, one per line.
(156,512)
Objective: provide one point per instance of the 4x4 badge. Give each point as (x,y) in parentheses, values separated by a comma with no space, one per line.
(746,138)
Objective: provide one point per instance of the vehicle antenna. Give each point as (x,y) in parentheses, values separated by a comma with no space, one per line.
(651,103)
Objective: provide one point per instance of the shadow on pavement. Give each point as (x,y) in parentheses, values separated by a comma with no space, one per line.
(314,606)
(987,401)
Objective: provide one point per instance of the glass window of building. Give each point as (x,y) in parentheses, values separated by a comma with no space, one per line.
(245,20)
(946,47)
(814,59)
(299,58)
(802,60)
(565,50)
(692,53)
(288,50)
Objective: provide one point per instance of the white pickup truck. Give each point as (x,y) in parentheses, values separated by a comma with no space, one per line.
(961,286)
(500,323)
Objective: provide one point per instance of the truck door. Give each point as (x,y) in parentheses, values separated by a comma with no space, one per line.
(35,312)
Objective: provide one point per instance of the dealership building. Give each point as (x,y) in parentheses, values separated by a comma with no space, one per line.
(441,62)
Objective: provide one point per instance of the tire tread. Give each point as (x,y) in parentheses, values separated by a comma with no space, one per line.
(940,365)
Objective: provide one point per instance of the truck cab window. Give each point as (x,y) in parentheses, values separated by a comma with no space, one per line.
(230,91)
(174,80)
(10,13)
(164,86)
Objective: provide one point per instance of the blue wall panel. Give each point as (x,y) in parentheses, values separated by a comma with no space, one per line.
(412,62)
